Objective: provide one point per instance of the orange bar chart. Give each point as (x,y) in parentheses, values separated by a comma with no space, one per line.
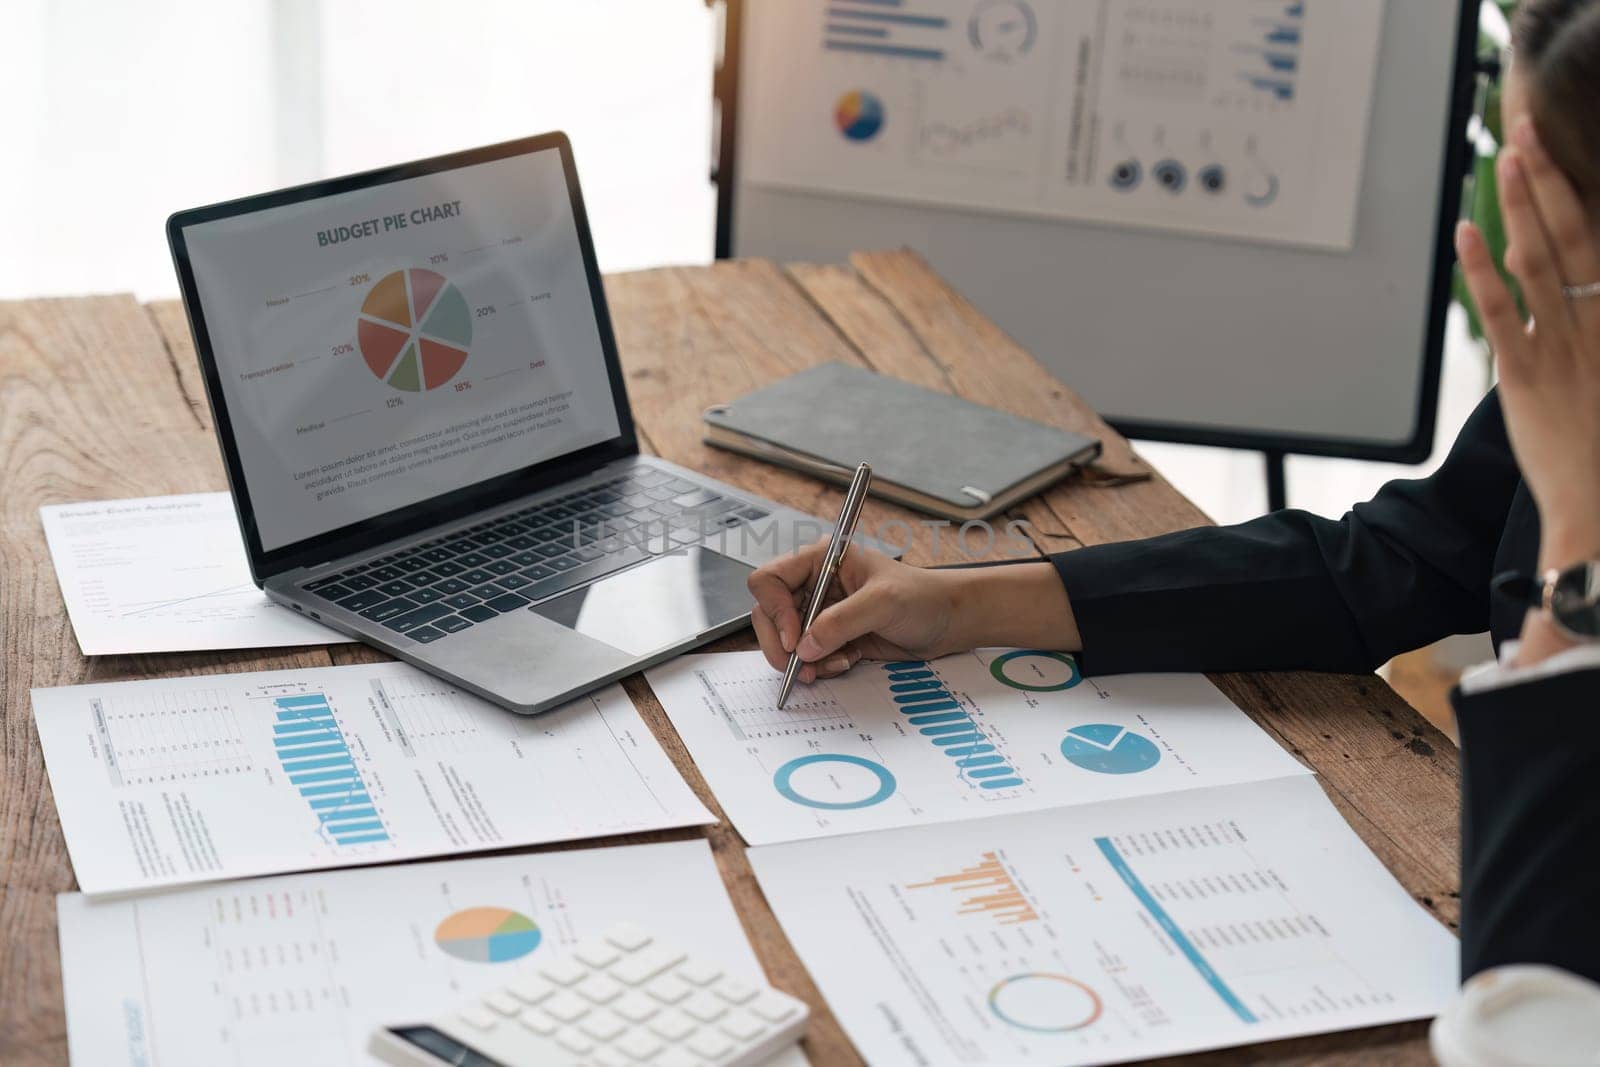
(994,892)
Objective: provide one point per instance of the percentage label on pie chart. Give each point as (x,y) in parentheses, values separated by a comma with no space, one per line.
(415,330)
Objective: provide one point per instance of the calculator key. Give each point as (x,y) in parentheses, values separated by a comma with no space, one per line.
(673,1026)
(734,991)
(773,1009)
(539,1023)
(668,989)
(646,964)
(742,1026)
(677,1057)
(597,954)
(710,1044)
(636,1008)
(573,1041)
(477,1018)
(565,972)
(425,634)
(566,1007)
(599,989)
(452,624)
(699,972)
(706,1008)
(502,1003)
(640,1044)
(531,990)
(480,613)
(602,1026)
(628,937)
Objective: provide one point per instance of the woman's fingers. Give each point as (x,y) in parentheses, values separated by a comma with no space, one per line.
(1497,311)
(1530,255)
(774,586)
(857,615)
(1576,250)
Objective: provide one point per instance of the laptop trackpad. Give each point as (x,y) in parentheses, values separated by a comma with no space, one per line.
(658,604)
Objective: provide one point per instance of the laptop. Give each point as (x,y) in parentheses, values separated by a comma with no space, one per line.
(416,390)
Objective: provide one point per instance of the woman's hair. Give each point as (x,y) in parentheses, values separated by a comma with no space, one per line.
(1557,49)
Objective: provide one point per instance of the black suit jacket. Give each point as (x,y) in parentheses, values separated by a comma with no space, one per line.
(1414,564)
(1293,591)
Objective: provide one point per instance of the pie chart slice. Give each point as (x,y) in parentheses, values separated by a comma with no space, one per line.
(407,375)
(440,362)
(1107,748)
(425,285)
(487,935)
(380,345)
(387,301)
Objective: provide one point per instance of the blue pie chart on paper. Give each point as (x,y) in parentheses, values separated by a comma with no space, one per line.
(1106,748)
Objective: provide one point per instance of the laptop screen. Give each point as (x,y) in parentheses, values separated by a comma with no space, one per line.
(380,347)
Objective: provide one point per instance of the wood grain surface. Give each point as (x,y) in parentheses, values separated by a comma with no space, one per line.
(100,398)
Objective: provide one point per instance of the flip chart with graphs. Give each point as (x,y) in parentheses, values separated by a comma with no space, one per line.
(976,734)
(1237,118)
(178,780)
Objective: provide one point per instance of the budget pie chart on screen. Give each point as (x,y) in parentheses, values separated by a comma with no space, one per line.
(415,330)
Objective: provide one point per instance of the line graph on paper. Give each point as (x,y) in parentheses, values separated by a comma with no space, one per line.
(746,698)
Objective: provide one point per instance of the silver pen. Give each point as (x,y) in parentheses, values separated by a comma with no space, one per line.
(843,531)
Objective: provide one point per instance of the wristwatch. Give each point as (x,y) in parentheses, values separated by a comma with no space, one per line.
(1571,596)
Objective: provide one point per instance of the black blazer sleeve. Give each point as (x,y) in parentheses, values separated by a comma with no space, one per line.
(1530,824)
(1294,591)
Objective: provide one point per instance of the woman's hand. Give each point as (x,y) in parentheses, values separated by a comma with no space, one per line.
(1550,369)
(879,608)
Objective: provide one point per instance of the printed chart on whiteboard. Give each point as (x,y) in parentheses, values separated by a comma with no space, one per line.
(1236,118)
(976,734)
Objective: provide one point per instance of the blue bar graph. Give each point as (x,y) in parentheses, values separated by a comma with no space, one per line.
(938,716)
(883,28)
(1172,929)
(317,760)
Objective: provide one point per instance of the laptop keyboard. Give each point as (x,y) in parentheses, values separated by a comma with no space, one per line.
(447,585)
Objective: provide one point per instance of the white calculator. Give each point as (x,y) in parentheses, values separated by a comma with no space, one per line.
(621,1000)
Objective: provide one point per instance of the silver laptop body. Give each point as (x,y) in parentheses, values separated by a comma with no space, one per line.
(418,399)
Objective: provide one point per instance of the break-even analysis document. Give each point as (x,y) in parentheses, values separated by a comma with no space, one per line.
(299,969)
(179,780)
(1121,930)
(975,734)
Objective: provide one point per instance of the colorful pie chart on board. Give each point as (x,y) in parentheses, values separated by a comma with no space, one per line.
(415,330)
(487,935)
(859,115)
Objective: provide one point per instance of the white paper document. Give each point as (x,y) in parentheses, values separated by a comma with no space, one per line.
(1128,929)
(165,574)
(975,734)
(191,779)
(1238,118)
(297,970)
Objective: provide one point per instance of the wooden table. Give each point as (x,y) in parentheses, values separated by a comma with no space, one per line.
(100,397)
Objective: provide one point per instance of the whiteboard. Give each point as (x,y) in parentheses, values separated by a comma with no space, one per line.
(1314,326)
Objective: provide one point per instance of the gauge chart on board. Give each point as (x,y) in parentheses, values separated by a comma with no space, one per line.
(415,330)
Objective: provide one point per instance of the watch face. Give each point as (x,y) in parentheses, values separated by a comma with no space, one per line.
(1575,600)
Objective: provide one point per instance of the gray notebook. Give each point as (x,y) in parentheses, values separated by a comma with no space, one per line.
(929,451)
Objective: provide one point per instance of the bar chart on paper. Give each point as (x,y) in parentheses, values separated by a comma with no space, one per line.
(976,734)
(314,754)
